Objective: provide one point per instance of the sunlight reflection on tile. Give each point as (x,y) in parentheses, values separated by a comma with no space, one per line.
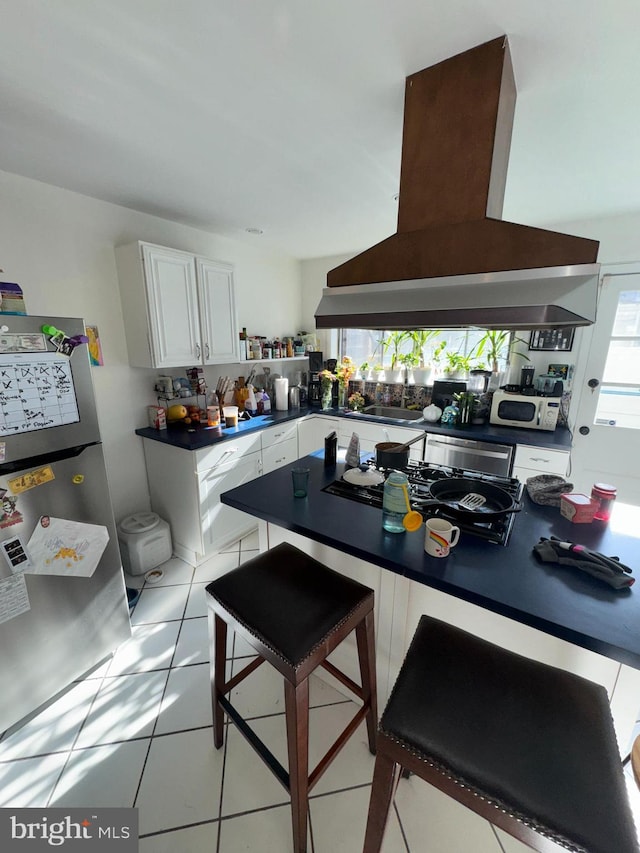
(55,728)
(28,783)
(125,707)
(150,647)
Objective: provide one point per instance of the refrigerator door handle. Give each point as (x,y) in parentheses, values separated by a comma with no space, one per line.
(44,459)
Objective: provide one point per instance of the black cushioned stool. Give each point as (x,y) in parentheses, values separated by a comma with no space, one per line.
(294,612)
(529,747)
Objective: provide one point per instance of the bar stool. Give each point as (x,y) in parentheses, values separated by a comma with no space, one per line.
(294,612)
(529,747)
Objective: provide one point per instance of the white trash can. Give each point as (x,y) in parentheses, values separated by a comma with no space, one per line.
(145,542)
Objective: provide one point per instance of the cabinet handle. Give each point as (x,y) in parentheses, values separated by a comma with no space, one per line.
(206,350)
(278,461)
(197,351)
(539,459)
(227,453)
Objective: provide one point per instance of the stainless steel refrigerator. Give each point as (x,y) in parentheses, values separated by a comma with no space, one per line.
(63,602)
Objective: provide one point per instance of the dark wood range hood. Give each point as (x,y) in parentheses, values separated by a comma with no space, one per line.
(453,261)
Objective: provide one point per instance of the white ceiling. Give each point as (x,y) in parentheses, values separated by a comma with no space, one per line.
(286,115)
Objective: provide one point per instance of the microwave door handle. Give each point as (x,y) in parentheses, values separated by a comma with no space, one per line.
(539,416)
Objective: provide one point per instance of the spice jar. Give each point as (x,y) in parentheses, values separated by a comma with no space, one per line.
(604,495)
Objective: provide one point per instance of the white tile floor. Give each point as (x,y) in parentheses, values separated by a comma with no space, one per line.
(137,732)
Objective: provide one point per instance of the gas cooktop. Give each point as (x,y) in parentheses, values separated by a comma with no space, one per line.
(420,476)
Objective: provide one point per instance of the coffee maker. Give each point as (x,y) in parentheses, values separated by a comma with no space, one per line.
(315,366)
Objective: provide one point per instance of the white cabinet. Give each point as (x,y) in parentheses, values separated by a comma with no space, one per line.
(279,446)
(221,524)
(371,434)
(530,461)
(178,309)
(185,489)
(185,486)
(312,431)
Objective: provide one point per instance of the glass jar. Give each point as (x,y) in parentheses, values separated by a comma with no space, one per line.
(394,502)
(604,495)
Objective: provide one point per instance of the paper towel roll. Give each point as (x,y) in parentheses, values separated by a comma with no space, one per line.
(282,394)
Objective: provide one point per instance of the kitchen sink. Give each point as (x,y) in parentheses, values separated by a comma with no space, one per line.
(394,413)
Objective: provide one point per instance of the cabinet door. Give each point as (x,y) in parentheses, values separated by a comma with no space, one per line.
(222,524)
(217,312)
(277,434)
(312,432)
(371,434)
(277,455)
(541,460)
(172,301)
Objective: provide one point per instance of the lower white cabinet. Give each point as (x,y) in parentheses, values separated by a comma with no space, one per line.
(312,431)
(279,445)
(185,486)
(531,461)
(221,524)
(371,434)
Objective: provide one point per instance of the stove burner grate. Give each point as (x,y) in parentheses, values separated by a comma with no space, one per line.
(420,474)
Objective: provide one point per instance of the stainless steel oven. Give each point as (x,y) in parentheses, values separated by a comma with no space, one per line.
(470,454)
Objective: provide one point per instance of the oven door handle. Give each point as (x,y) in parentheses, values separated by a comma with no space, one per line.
(490,454)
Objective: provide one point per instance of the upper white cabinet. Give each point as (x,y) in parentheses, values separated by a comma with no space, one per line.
(179,309)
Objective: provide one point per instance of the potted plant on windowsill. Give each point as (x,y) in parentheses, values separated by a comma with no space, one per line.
(457,366)
(496,347)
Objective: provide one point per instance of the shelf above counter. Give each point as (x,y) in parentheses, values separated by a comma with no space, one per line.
(273,360)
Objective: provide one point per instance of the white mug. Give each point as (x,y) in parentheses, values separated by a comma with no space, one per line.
(440,537)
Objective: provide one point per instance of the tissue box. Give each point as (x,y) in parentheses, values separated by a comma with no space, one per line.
(579,509)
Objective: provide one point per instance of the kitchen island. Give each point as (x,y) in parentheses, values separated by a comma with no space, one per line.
(558,615)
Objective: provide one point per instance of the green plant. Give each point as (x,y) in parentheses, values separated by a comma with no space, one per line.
(419,339)
(495,346)
(456,362)
(409,359)
(436,355)
(393,341)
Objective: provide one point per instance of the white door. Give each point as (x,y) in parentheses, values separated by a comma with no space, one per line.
(217,312)
(173,306)
(606,424)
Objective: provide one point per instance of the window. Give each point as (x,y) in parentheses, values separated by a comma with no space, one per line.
(619,399)
(378,347)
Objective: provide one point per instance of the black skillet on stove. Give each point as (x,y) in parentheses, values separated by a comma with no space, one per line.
(458,496)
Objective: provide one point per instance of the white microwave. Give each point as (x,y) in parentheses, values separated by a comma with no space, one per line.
(521,410)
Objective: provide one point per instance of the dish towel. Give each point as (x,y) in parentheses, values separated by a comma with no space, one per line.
(546,489)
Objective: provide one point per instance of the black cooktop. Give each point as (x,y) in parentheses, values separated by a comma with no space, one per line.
(420,475)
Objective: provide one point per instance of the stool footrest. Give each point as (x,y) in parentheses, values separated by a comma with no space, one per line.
(263,751)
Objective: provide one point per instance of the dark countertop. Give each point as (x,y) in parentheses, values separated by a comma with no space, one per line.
(195,438)
(563,602)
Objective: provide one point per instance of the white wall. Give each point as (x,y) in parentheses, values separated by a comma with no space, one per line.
(58,246)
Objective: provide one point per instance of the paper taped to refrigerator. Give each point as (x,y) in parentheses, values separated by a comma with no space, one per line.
(14,598)
(36,392)
(62,547)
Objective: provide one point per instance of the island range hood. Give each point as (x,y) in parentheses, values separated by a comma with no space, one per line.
(453,261)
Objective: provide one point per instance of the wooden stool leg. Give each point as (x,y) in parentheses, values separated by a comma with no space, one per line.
(365,637)
(297,713)
(385,780)
(218,665)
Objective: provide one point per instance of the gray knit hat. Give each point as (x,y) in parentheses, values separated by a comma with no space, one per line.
(546,489)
